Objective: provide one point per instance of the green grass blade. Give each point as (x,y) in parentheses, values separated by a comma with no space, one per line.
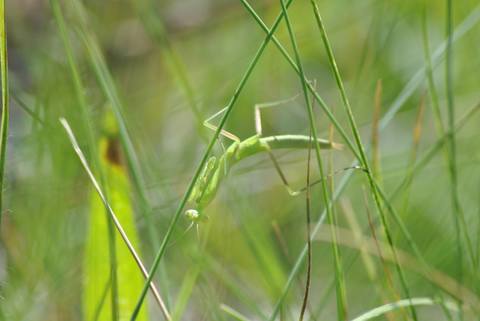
(449,148)
(233,313)
(76,79)
(381,310)
(429,73)
(5,101)
(185,292)
(364,160)
(154,27)
(26,108)
(416,136)
(109,89)
(459,215)
(232,282)
(340,286)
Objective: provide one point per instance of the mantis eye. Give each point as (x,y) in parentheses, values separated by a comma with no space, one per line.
(192,215)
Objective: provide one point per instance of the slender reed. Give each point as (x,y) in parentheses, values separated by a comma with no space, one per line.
(5,101)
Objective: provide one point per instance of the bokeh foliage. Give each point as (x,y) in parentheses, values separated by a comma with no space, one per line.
(174,63)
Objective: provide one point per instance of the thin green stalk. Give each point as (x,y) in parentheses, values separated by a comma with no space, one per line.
(429,73)
(295,67)
(477,256)
(27,109)
(458,215)
(363,159)
(5,101)
(378,311)
(375,140)
(340,286)
(185,292)
(423,161)
(439,123)
(78,85)
(202,163)
(79,89)
(108,86)
(416,135)
(154,27)
(309,239)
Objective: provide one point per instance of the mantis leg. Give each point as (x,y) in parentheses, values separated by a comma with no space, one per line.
(259,107)
(223,132)
(213,127)
(258,127)
(258,130)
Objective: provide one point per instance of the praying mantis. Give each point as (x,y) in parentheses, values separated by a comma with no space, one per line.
(216,169)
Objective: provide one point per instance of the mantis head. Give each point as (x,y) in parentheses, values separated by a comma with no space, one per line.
(192,214)
(195,216)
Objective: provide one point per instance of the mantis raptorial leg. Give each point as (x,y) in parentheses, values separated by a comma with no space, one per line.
(213,127)
(223,132)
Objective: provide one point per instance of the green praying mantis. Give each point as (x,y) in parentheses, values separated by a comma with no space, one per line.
(216,169)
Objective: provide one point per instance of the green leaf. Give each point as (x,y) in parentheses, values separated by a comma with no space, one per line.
(97,274)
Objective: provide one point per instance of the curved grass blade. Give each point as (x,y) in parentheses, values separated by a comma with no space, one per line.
(443,281)
(233,313)
(383,309)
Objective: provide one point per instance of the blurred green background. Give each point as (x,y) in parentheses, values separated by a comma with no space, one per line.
(174,63)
